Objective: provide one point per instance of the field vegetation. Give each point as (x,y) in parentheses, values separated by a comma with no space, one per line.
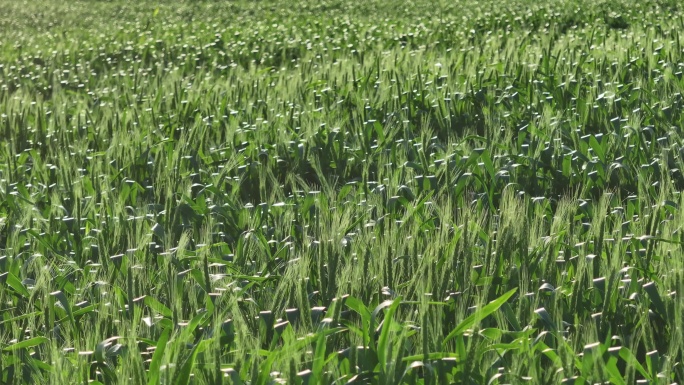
(347,192)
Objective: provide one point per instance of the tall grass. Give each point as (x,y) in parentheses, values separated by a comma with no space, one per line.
(341,192)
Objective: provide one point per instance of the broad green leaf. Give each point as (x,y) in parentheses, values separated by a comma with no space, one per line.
(652,291)
(65,304)
(360,308)
(158,306)
(383,341)
(14,282)
(479,315)
(319,359)
(21,317)
(155,364)
(182,375)
(598,149)
(632,361)
(35,341)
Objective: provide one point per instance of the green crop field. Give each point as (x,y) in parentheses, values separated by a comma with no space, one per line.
(342,192)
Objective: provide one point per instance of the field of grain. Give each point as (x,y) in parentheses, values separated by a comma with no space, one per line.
(341,192)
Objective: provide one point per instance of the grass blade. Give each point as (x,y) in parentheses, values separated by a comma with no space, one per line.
(155,364)
(35,341)
(479,315)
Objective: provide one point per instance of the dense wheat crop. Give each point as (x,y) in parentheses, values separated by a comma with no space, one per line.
(362,192)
